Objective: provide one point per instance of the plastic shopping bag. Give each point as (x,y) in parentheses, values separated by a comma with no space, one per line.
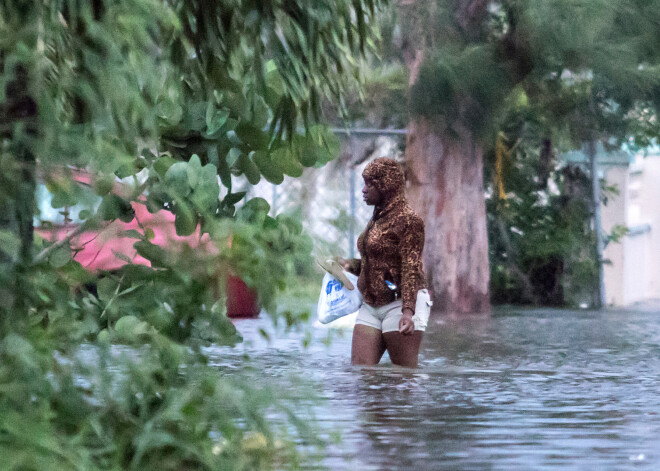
(422,309)
(336,300)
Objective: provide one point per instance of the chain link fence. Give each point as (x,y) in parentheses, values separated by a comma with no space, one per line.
(329,199)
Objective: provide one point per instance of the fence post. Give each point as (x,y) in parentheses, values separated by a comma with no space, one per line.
(600,244)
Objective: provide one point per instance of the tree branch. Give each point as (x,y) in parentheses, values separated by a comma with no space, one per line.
(527,287)
(90,224)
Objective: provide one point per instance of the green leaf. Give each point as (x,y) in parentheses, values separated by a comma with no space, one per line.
(215,119)
(306,150)
(176,179)
(127,169)
(212,155)
(153,442)
(286,162)
(261,114)
(193,169)
(274,82)
(249,169)
(156,200)
(121,256)
(196,118)
(232,156)
(185,221)
(103,336)
(169,112)
(205,199)
(332,146)
(106,288)
(252,136)
(254,210)
(237,103)
(133,234)
(223,169)
(130,289)
(163,164)
(60,256)
(267,168)
(220,78)
(206,194)
(233,139)
(209,176)
(10,244)
(104,184)
(264,334)
(75,272)
(113,207)
(64,194)
(233,198)
(18,347)
(154,253)
(148,155)
(130,327)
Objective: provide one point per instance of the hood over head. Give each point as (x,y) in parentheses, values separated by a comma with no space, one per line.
(387,176)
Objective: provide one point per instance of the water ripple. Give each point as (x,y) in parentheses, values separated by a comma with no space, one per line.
(523,389)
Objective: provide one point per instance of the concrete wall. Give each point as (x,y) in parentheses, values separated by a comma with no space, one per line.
(612,214)
(633,273)
(651,215)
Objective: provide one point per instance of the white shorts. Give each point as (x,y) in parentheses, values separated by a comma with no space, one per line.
(386,318)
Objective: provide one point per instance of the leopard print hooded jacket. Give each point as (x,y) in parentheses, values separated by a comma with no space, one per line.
(392,243)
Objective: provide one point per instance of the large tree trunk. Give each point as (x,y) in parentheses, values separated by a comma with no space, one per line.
(18,209)
(22,108)
(445,186)
(445,170)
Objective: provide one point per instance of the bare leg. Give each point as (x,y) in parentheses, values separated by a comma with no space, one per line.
(368,345)
(403,349)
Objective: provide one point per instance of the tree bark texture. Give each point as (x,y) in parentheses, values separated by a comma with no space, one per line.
(445,172)
(21,107)
(445,187)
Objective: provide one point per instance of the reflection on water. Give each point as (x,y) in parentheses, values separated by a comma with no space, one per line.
(522,389)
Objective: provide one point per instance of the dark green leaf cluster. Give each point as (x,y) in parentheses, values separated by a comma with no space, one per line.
(157,404)
(593,64)
(178,99)
(464,85)
(109,411)
(540,238)
(178,96)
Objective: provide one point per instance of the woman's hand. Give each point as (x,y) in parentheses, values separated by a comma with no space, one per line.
(406,324)
(345,264)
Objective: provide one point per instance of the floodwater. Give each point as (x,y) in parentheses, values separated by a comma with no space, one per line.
(521,389)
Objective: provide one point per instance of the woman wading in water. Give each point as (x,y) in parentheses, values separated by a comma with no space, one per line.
(390,274)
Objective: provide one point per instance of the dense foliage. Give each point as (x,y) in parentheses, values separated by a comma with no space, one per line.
(597,85)
(590,65)
(179,99)
(539,78)
(539,225)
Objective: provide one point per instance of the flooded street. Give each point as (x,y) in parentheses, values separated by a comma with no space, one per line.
(522,389)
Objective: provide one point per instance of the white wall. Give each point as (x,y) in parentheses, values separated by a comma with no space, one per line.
(651,214)
(634,272)
(614,213)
